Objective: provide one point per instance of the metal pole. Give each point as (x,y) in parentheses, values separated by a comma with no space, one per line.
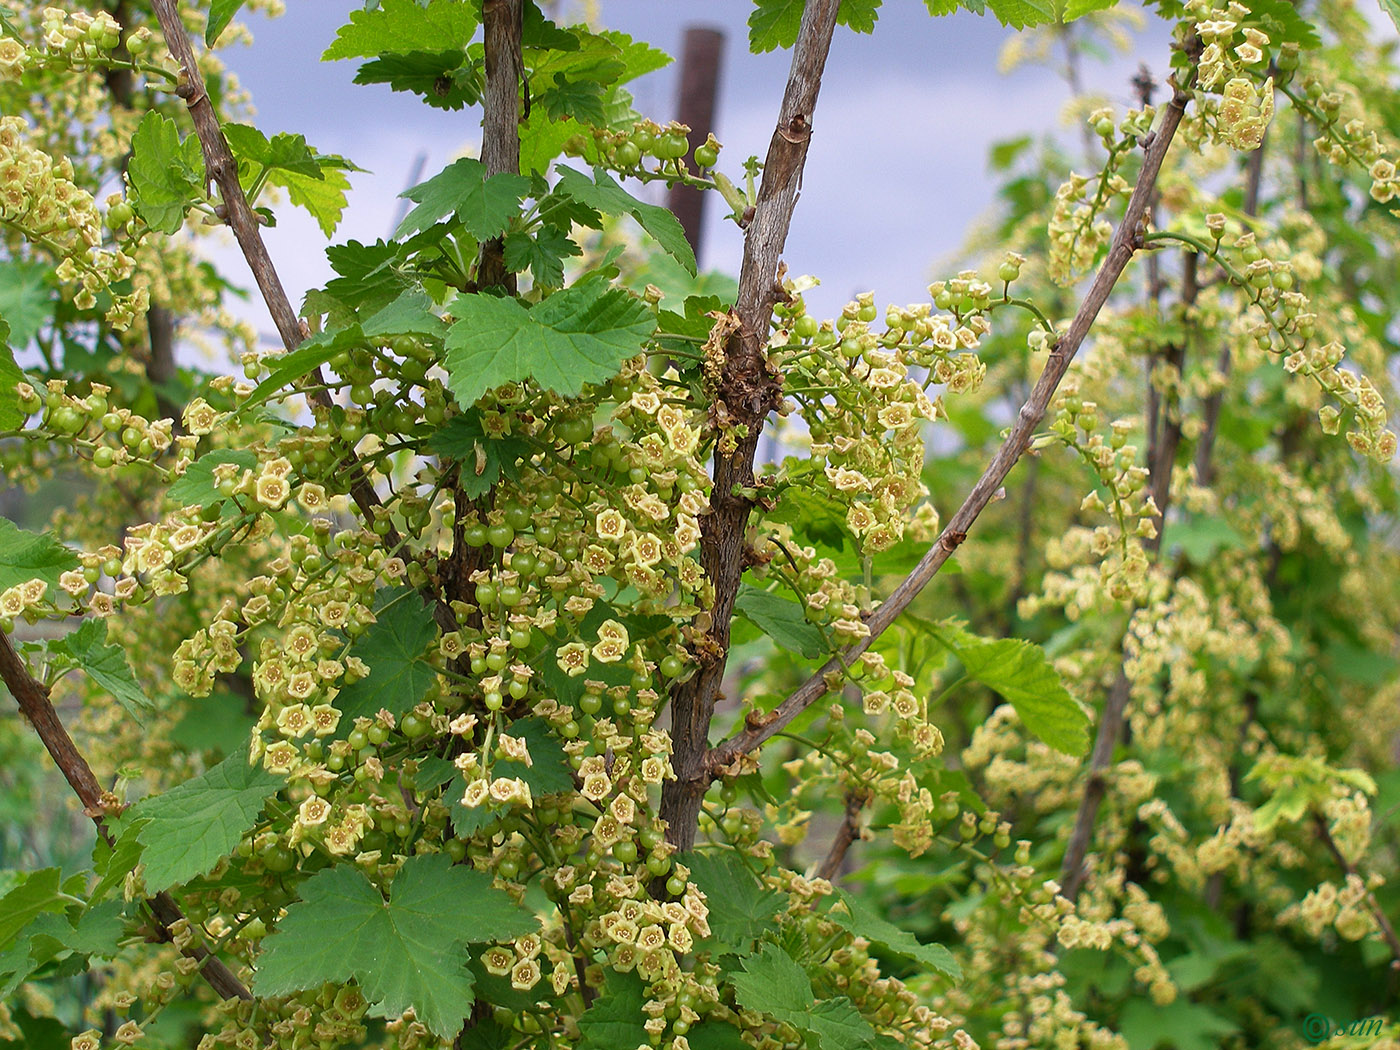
(700,61)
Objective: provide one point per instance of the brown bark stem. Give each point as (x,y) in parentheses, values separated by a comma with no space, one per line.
(1210,413)
(747,392)
(846,834)
(1164,438)
(1377,912)
(500,143)
(35,704)
(1126,241)
(221,168)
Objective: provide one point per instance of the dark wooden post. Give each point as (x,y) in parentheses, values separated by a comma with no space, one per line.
(700,59)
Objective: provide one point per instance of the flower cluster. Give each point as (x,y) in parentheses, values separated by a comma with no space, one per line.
(39,198)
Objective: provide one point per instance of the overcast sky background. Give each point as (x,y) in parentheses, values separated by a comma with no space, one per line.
(895,176)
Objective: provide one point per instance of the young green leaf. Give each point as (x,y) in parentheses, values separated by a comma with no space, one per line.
(221,13)
(106,664)
(25,556)
(39,892)
(11,415)
(484,205)
(781,619)
(26,299)
(192,825)
(615,1018)
(576,336)
(403,26)
(772,983)
(409,951)
(741,908)
(393,647)
(165,175)
(604,194)
(542,253)
(774,24)
(483,460)
(864,921)
(1021,673)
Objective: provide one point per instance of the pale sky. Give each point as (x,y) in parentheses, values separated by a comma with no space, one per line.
(896,173)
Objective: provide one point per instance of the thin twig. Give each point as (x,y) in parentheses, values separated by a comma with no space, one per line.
(1126,241)
(1164,438)
(747,391)
(1382,920)
(846,834)
(33,699)
(221,168)
(1210,412)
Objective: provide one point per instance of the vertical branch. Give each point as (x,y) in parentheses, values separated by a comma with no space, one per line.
(846,834)
(1162,448)
(1377,912)
(500,142)
(747,392)
(221,168)
(1210,413)
(35,704)
(1127,239)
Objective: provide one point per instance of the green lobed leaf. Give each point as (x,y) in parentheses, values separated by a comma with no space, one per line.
(549,772)
(393,647)
(864,921)
(221,13)
(192,825)
(40,892)
(165,177)
(106,664)
(447,80)
(25,556)
(324,198)
(367,274)
(284,150)
(772,983)
(11,415)
(542,253)
(484,460)
(51,936)
(484,205)
(774,24)
(26,299)
(741,907)
(579,335)
(409,951)
(400,26)
(408,314)
(1020,672)
(859,15)
(196,487)
(781,619)
(1021,14)
(604,194)
(614,1020)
